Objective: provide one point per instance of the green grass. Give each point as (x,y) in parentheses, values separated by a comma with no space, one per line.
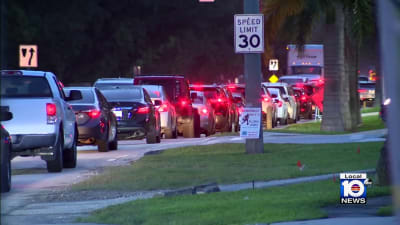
(386,211)
(221,134)
(369,123)
(287,203)
(370,109)
(228,163)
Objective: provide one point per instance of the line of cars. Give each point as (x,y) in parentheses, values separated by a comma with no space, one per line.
(50,120)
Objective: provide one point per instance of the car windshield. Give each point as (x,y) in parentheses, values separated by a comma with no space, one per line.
(25,87)
(87,96)
(123,95)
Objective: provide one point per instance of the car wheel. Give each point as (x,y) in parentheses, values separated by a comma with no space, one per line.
(113,145)
(169,134)
(56,165)
(6,170)
(102,144)
(188,130)
(151,137)
(70,155)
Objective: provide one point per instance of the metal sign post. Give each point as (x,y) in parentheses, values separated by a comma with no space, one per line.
(252,72)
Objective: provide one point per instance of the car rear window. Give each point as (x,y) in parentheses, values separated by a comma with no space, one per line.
(212,93)
(102,86)
(154,91)
(291,81)
(282,89)
(199,98)
(87,96)
(25,87)
(171,86)
(123,95)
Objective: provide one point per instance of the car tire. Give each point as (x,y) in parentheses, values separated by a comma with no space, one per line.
(188,130)
(6,170)
(169,134)
(151,137)
(197,128)
(113,145)
(56,165)
(70,155)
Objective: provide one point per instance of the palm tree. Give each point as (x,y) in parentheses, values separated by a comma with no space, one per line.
(298,17)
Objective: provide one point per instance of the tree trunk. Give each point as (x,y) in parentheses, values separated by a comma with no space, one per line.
(336,114)
(351,65)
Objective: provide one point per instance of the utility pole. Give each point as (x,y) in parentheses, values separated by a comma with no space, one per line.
(253,79)
(3,34)
(389,21)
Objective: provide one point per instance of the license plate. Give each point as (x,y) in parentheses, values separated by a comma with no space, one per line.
(117,112)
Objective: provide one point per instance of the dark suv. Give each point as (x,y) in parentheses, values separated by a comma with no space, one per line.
(177,88)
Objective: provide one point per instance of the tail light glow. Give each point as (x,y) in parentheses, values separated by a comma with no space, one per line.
(204,111)
(94,113)
(143,110)
(362,90)
(279,103)
(51,109)
(303,98)
(265,98)
(163,108)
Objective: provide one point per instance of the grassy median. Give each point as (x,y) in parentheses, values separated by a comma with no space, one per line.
(228,163)
(369,123)
(294,202)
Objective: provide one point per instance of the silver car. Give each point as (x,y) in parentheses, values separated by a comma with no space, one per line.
(205,110)
(167,110)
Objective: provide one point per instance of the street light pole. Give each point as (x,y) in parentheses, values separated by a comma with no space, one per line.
(252,72)
(389,21)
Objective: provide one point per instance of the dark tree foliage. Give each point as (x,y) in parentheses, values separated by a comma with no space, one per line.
(81,41)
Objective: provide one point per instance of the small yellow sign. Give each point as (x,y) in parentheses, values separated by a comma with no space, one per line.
(273,78)
(28,56)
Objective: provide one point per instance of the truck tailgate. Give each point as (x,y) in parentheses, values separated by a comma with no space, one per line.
(29,116)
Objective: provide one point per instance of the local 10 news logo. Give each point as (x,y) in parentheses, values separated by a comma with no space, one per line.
(353,188)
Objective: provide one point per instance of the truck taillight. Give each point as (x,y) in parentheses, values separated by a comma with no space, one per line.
(279,103)
(51,109)
(303,98)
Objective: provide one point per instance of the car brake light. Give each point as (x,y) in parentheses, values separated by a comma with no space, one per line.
(163,108)
(303,98)
(279,103)
(362,90)
(204,111)
(143,110)
(94,113)
(51,109)
(240,110)
(219,100)
(265,98)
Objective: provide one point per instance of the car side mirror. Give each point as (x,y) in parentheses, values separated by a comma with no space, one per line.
(74,95)
(5,115)
(157,102)
(193,95)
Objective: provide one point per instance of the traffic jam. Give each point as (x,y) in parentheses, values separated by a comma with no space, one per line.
(43,118)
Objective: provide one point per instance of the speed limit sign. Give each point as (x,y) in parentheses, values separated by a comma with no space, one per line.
(249,33)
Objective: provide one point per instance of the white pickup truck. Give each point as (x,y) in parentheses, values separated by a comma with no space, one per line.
(43,122)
